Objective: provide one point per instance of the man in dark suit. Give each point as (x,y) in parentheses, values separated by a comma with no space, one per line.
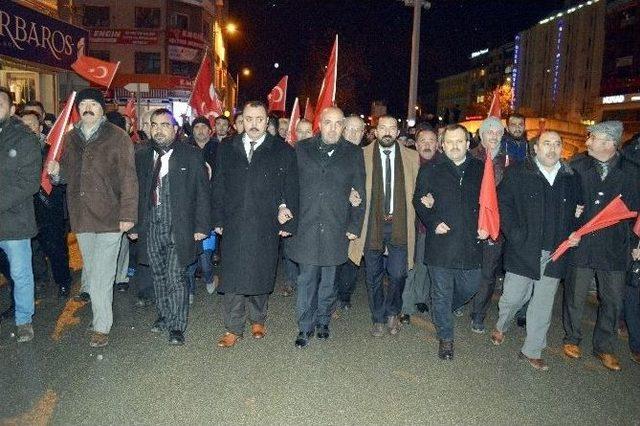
(328,167)
(174,215)
(255,197)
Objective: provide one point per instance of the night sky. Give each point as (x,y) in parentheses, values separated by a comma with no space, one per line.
(375,44)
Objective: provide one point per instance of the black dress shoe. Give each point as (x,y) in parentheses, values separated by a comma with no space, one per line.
(405,319)
(302,341)
(83,297)
(322,332)
(422,307)
(158,325)
(63,293)
(176,337)
(521,321)
(122,287)
(445,350)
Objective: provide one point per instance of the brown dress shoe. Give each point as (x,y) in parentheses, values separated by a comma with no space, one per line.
(610,361)
(497,337)
(98,340)
(537,363)
(572,351)
(258,330)
(228,340)
(635,357)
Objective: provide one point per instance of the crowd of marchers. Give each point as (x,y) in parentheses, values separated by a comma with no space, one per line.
(186,199)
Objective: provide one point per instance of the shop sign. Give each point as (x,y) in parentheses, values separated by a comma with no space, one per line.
(184,45)
(137,37)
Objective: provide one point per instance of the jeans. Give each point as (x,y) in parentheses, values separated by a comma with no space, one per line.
(19,255)
(632,314)
(450,290)
(206,269)
(315,296)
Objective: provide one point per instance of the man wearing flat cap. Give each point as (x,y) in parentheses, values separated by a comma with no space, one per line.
(102,192)
(604,174)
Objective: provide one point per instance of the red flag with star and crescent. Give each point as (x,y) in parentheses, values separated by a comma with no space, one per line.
(327,95)
(278,95)
(204,99)
(95,70)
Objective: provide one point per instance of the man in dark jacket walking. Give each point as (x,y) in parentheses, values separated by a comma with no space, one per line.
(174,211)
(604,174)
(255,198)
(538,201)
(453,251)
(20,163)
(328,167)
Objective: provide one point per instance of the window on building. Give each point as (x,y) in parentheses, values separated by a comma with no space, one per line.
(180,21)
(105,55)
(96,16)
(147,62)
(480,99)
(186,69)
(482,73)
(147,17)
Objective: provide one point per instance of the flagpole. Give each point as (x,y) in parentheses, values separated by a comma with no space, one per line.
(114,75)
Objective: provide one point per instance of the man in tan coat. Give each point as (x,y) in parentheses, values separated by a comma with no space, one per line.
(387,240)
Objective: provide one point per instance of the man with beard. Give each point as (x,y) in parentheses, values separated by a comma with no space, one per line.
(387,238)
(328,167)
(255,198)
(20,163)
(222,127)
(102,191)
(514,144)
(453,250)
(417,290)
(538,201)
(174,210)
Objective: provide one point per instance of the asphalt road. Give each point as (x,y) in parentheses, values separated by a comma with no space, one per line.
(352,378)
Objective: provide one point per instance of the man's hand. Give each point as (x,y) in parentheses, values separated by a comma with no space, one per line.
(428,200)
(199,236)
(442,228)
(579,210)
(132,237)
(284,234)
(53,168)
(635,254)
(218,230)
(284,215)
(482,234)
(354,198)
(351,236)
(125,226)
(574,239)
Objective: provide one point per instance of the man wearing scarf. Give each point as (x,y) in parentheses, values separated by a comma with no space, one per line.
(174,211)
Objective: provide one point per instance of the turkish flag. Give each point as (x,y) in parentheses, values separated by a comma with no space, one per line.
(613,213)
(327,95)
(204,99)
(494,109)
(95,70)
(489,215)
(278,96)
(130,111)
(293,122)
(54,139)
(308,111)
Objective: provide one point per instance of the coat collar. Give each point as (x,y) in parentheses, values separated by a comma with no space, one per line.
(531,167)
(312,148)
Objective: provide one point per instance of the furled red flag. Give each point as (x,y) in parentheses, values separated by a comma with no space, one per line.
(636,227)
(95,70)
(613,213)
(74,118)
(308,111)
(54,138)
(327,95)
(292,137)
(494,109)
(489,215)
(204,99)
(278,96)
(130,111)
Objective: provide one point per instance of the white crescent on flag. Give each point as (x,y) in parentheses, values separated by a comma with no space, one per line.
(279,95)
(103,70)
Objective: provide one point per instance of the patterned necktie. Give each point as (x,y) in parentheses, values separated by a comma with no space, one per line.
(251,150)
(387,182)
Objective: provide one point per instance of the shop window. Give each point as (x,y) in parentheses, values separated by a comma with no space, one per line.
(147,17)
(180,21)
(96,16)
(186,69)
(105,55)
(147,62)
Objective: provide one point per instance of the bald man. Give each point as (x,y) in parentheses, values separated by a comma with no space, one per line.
(538,195)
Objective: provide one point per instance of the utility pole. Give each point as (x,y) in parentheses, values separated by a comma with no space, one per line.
(415,57)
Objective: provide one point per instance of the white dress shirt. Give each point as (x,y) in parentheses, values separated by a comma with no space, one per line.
(383,160)
(246,140)
(164,169)
(549,176)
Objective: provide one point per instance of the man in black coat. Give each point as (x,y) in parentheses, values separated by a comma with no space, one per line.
(604,174)
(255,198)
(328,168)
(453,251)
(539,195)
(174,216)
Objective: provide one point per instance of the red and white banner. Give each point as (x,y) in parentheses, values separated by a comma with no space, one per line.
(54,139)
(292,137)
(95,70)
(278,95)
(327,96)
(184,45)
(136,37)
(204,99)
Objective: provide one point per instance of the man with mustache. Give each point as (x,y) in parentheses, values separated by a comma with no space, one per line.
(453,251)
(102,192)
(328,167)
(255,198)
(387,238)
(538,201)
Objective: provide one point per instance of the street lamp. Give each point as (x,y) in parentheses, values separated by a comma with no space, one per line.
(231,28)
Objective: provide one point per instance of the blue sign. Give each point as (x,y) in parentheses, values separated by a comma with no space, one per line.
(31,36)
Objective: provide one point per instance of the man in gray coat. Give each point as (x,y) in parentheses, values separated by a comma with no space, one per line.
(328,168)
